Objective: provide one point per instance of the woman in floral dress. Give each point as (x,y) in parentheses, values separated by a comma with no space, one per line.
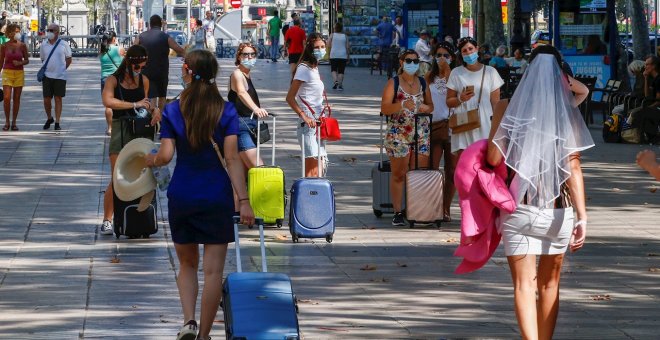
(411,98)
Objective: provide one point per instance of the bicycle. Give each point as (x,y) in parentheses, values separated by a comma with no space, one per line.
(64,33)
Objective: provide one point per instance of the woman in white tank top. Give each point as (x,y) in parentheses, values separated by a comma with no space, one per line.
(339,54)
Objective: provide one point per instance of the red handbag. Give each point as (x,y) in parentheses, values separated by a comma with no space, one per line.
(329,125)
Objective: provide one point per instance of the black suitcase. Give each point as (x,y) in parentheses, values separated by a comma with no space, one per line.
(127,220)
(132,223)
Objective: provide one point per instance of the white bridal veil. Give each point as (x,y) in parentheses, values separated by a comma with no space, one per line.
(539,130)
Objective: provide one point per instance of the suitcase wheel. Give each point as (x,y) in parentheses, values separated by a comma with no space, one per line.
(278,223)
(438,223)
(328,238)
(145,236)
(412,224)
(378,213)
(250,227)
(294,238)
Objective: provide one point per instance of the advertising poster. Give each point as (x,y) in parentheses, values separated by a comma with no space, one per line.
(590,66)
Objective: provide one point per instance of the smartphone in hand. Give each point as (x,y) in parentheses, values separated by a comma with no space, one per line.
(469,88)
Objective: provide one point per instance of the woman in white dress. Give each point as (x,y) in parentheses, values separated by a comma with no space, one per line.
(546,182)
(463,89)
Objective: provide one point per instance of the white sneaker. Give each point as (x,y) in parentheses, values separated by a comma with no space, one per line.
(106,228)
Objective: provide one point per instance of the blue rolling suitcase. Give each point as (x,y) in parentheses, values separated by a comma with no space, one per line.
(259,305)
(312,210)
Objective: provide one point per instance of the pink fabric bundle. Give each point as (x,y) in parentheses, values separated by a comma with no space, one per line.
(482,192)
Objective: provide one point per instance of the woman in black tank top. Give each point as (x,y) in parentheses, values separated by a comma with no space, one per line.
(124,91)
(244,96)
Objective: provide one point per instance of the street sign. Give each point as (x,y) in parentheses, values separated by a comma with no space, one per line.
(34,26)
(236,3)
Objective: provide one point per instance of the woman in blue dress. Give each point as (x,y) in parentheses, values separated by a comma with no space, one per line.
(200,200)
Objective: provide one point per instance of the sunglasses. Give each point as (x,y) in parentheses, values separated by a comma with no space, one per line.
(139,67)
(410,60)
(466,40)
(249,54)
(440,55)
(50,30)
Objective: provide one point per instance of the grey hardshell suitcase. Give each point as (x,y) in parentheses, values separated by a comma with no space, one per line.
(381,198)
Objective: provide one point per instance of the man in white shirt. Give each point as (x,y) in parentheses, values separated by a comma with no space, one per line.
(423,49)
(208,24)
(54,81)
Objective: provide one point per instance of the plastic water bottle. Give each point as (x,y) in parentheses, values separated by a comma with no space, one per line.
(141,112)
(162,174)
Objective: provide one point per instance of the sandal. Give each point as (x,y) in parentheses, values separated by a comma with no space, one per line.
(188,331)
(14,128)
(446,218)
(6,127)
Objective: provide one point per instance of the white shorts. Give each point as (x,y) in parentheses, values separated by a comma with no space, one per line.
(310,142)
(536,231)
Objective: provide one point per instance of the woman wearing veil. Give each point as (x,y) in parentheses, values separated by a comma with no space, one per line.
(539,135)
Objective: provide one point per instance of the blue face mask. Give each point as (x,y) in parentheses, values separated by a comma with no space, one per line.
(471,59)
(411,68)
(249,63)
(319,54)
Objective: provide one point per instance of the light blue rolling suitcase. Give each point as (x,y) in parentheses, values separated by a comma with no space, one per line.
(312,210)
(259,305)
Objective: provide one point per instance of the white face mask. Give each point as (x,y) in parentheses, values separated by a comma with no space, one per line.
(50,35)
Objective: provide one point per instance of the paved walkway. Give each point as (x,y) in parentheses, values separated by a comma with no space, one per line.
(61,279)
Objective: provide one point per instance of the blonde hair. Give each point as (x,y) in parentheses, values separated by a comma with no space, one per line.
(636,66)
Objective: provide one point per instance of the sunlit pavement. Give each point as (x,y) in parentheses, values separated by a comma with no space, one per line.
(61,279)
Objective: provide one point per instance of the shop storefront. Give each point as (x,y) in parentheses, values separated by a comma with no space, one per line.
(360,18)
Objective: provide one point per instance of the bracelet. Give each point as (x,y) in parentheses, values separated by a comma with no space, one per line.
(134,106)
(580,222)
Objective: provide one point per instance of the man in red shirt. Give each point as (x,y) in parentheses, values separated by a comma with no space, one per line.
(295,42)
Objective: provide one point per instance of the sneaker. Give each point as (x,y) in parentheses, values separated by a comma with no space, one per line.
(188,331)
(57,127)
(398,219)
(106,228)
(48,122)
(341,87)
(335,87)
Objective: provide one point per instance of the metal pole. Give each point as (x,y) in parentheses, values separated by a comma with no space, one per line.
(655,27)
(188,18)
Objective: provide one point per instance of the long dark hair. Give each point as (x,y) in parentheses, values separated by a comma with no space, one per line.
(201,103)
(435,68)
(307,56)
(106,39)
(134,55)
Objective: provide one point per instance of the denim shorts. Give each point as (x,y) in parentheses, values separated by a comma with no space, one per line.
(246,140)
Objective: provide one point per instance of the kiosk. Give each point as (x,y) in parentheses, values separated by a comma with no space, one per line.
(585,32)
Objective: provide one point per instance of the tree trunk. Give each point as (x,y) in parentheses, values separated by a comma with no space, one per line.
(494,28)
(640,30)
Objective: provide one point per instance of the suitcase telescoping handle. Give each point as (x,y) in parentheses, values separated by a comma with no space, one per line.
(272,137)
(318,147)
(262,243)
(382,138)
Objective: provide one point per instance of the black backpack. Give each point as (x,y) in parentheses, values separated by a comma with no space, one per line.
(285,28)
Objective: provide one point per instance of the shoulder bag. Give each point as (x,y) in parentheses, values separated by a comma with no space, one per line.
(329,125)
(42,71)
(464,120)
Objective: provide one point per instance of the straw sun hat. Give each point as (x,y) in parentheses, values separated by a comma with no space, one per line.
(132,179)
